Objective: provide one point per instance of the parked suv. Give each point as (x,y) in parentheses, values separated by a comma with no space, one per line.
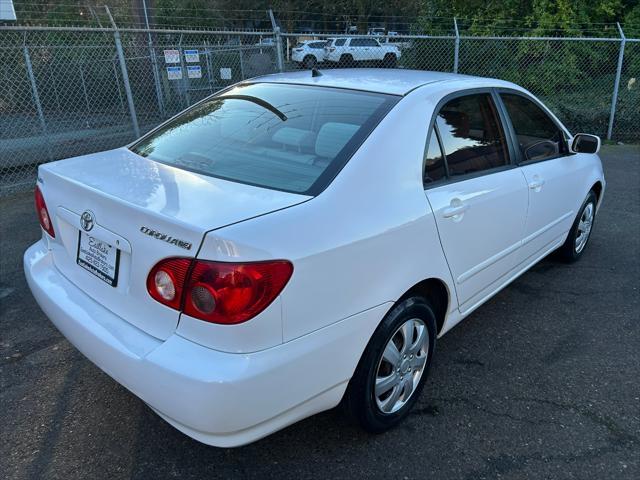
(347,51)
(308,53)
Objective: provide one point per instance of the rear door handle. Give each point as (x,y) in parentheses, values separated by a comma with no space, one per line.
(536,184)
(455,211)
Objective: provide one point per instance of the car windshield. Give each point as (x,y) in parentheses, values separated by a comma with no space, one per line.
(293,138)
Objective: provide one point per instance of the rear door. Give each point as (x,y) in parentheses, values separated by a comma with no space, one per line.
(555,178)
(477,194)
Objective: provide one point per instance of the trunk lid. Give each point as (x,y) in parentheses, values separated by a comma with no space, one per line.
(140,211)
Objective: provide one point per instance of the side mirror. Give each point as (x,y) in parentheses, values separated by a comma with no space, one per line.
(585,143)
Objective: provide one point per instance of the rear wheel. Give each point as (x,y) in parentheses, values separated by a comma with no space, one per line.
(393,367)
(390,60)
(309,62)
(580,232)
(346,60)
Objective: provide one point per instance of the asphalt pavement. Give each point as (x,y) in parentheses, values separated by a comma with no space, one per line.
(543,381)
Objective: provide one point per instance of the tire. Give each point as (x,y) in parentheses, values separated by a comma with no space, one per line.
(390,61)
(309,62)
(574,246)
(386,408)
(346,60)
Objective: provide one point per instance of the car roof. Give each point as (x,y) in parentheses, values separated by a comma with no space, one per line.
(381,80)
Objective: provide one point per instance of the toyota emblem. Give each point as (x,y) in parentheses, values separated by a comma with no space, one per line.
(87,221)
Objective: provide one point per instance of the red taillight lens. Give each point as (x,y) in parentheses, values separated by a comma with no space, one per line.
(166,280)
(218,292)
(43,213)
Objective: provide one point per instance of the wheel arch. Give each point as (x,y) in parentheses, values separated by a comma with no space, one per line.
(597,189)
(437,293)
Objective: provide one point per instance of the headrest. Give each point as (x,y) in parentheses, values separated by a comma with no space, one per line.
(332,138)
(294,137)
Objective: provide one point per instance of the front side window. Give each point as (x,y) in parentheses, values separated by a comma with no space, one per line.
(539,138)
(285,137)
(472,137)
(339,42)
(317,45)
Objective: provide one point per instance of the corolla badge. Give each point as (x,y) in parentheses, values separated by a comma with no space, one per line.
(87,220)
(166,238)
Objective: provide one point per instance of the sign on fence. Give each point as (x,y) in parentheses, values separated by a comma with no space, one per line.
(225,73)
(171,56)
(174,73)
(194,71)
(191,56)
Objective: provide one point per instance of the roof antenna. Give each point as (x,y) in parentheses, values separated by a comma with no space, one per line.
(315,72)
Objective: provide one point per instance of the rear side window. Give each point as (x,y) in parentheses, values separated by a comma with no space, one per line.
(286,137)
(472,137)
(434,169)
(317,45)
(539,138)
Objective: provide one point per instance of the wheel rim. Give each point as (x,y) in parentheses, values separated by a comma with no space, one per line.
(401,365)
(584,227)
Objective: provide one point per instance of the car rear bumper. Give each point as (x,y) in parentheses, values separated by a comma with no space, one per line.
(219,398)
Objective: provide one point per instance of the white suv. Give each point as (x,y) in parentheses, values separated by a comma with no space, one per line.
(308,53)
(359,49)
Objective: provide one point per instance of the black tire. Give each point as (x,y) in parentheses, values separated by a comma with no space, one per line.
(390,61)
(569,251)
(309,62)
(346,60)
(360,401)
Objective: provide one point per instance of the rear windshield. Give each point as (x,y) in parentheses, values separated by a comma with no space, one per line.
(285,137)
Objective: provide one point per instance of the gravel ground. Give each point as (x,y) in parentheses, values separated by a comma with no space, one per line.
(541,382)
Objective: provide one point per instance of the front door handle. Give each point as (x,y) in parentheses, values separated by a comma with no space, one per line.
(455,211)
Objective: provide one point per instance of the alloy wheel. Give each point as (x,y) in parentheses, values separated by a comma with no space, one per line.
(584,227)
(401,365)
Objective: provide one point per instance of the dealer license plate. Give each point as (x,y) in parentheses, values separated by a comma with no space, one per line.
(99,258)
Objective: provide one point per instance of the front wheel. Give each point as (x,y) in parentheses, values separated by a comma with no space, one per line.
(393,367)
(309,62)
(580,232)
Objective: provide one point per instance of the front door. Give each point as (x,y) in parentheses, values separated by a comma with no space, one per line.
(554,177)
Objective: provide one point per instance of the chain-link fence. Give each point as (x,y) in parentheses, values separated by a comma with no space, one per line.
(575,77)
(67,92)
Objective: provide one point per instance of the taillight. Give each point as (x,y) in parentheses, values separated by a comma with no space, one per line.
(166,280)
(43,213)
(218,292)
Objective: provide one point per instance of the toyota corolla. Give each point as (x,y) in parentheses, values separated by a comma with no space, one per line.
(301,240)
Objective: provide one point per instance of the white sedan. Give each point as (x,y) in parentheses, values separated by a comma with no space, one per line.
(300,240)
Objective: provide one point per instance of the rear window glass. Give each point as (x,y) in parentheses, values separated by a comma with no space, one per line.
(286,137)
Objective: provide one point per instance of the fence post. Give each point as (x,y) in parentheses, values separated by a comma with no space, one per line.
(125,74)
(154,63)
(186,84)
(34,88)
(616,84)
(456,51)
(278,37)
